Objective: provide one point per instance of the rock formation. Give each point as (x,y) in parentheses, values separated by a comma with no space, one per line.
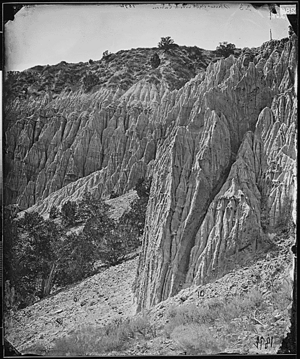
(225,176)
(220,150)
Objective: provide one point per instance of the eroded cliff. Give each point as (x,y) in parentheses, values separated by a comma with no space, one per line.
(62,139)
(225,178)
(221,151)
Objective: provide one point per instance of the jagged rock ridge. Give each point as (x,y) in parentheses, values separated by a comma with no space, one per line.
(225,177)
(220,149)
(60,134)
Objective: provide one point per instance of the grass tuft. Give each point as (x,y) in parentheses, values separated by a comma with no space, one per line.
(212,310)
(114,337)
(197,339)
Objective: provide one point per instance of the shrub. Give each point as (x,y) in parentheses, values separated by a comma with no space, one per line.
(198,339)
(213,309)
(117,244)
(68,212)
(41,255)
(114,336)
(135,217)
(154,61)
(225,49)
(34,257)
(282,295)
(89,81)
(54,212)
(166,44)
(77,255)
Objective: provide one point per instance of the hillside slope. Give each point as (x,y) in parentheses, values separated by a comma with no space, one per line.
(76,313)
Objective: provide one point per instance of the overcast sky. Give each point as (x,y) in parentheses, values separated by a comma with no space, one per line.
(48,34)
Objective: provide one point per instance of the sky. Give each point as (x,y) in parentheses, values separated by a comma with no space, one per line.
(48,34)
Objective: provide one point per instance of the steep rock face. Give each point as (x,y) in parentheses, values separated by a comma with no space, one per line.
(46,155)
(221,151)
(58,131)
(211,196)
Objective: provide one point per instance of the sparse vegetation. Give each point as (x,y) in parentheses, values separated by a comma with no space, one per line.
(155,61)
(196,339)
(89,81)
(195,327)
(68,213)
(225,49)
(100,340)
(166,44)
(42,253)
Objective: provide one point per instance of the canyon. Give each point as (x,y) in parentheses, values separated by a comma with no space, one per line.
(220,149)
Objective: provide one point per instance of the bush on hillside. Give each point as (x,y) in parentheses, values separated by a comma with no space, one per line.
(135,217)
(212,310)
(115,336)
(68,213)
(166,44)
(154,61)
(77,255)
(38,255)
(225,49)
(117,243)
(35,255)
(113,240)
(89,81)
(197,339)
(54,212)
(10,263)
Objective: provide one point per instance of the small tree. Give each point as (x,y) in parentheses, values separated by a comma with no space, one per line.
(225,49)
(135,217)
(118,243)
(155,61)
(10,240)
(77,254)
(68,213)
(35,254)
(166,44)
(54,212)
(89,81)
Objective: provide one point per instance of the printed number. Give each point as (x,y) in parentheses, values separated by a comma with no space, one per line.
(261,341)
(201,293)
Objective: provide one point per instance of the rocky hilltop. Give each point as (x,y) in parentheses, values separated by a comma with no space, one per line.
(217,138)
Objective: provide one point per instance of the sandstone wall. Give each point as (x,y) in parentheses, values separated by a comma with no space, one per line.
(224,177)
(221,151)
